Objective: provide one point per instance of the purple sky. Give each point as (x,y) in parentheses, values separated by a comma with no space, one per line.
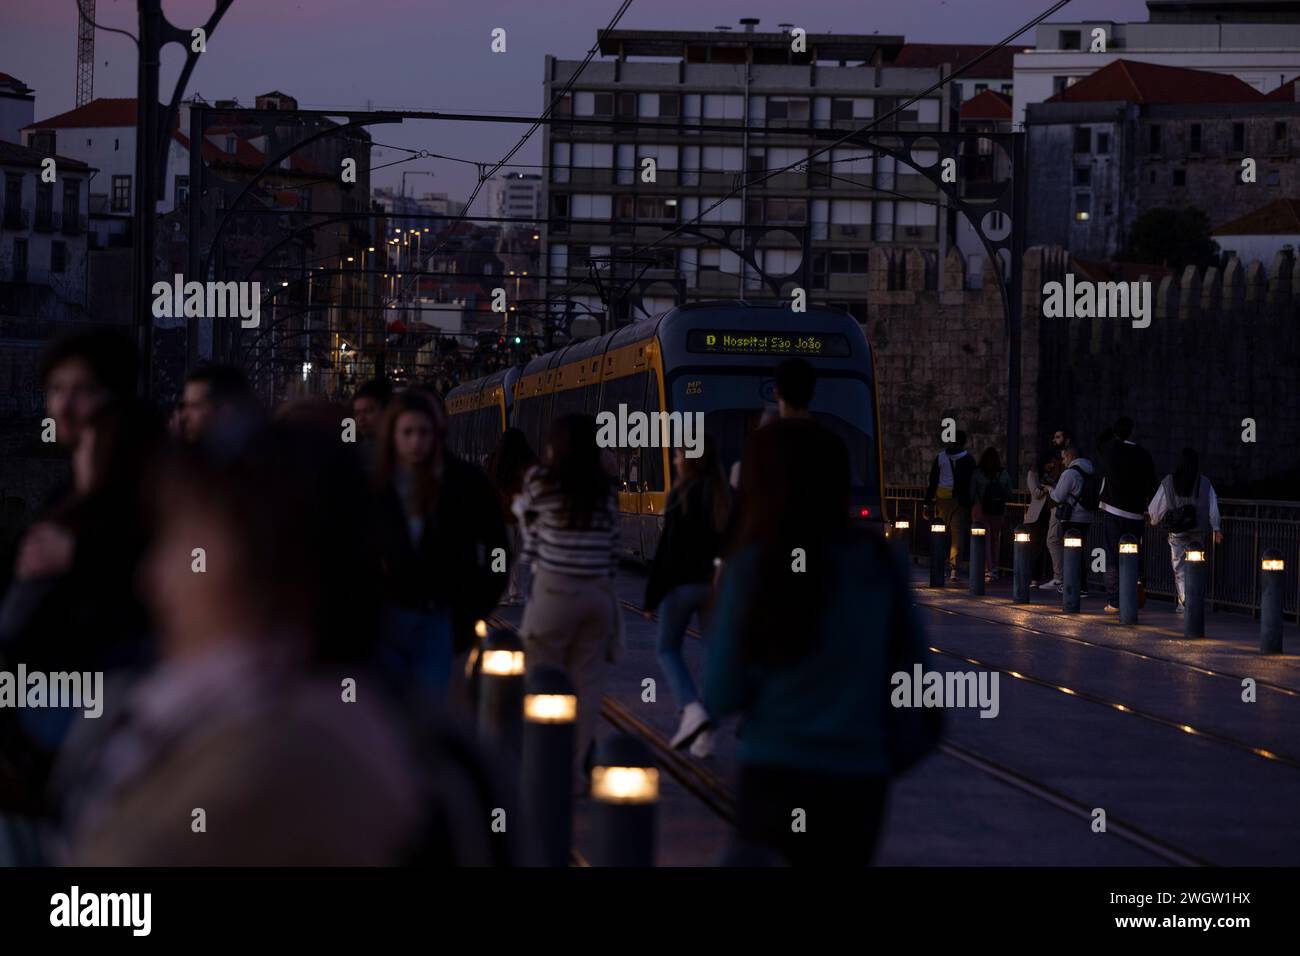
(434,54)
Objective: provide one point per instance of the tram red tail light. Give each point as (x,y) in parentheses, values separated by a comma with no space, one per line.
(864,512)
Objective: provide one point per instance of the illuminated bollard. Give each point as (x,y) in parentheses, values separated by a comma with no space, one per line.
(473,666)
(1194,591)
(979,544)
(501,690)
(1023,556)
(901,537)
(1128,579)
(625,790)
(1270,602)
(938,553)
(546,775)
(1071,573)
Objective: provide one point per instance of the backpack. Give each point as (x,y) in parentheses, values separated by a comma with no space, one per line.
(994,499)
(1089,497)
(1184,518)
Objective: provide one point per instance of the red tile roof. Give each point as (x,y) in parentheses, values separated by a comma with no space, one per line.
(1281,217)
(987,105)
(98,112)
(1287,92)
(1132,81)
(999,65)
(11,154)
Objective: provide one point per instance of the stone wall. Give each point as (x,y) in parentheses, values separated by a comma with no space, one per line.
(1223,345)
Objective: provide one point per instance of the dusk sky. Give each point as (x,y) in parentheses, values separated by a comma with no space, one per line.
(434,54)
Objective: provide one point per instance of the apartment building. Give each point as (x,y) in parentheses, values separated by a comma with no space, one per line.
(730,120)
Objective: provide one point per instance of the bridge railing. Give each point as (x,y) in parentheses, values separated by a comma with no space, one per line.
(1249,528)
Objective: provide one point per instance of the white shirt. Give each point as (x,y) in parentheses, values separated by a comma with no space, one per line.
(1160,505)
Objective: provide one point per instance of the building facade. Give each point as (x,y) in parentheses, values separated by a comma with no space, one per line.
(515,196)
(1258,42)
(1135,137)
(721,126)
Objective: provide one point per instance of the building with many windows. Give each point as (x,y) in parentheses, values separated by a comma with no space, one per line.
(675,125)
(515,196)
(1139,136)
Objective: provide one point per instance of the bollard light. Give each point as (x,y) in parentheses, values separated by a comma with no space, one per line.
(1072,573)
(550,708)
(625,784)
(978,558)
(1270,601)
(480,629)
(902,525)
(1128,579)
(938,528)
(501,689)
(503,663)
(1020,566)
(938,553)
(1194,591)
(547,765)
(625,788)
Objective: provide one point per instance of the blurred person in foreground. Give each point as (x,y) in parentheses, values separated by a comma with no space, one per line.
(72,606)
(442,541)
(369,404)
(695,520)
(570,518)
(262,711)
(507,467)
(805,654)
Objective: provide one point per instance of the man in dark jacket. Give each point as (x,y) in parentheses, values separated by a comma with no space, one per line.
(1130,483)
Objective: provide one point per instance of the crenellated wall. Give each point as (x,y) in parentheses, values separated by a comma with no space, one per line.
(1223,345)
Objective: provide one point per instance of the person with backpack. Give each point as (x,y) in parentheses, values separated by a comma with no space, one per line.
(1187,499)
(990,489)
(1130,482)
(948,495)
(1077,494)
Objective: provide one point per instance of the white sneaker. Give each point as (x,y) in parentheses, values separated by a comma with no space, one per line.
(703,745)
(1050,586)
(694,719)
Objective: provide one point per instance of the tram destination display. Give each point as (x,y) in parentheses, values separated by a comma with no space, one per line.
(724,342)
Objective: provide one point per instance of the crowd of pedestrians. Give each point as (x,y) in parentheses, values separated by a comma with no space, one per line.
(1115,494)
(284,602)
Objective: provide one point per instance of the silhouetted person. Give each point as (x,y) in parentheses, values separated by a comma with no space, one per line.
(948,495)
(507,466)
(804,652)
(214,397)
(1130,482)
(1187,499)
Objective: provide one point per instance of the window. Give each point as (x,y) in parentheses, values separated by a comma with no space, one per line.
(1153,139)
(1082,139)
(1083,176)
(1082,207)
(981,88)
(58,256)
(841,109)
(1274,177)
(787,211)
(44,206)
(654,208)
(13,212)
(787,108)
(1238,137)
(182,190)
(1060,84)
(1071,39)
(757,164)
(1180,177)
(603,104)
(1279,135)
(121,193)
(1103,144)
(117,144)
(1006,89)
(957,93)
(20,260)
(1194,138)
(71,204)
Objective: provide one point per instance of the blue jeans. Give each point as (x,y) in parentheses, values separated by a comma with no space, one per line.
(415,651)
(674,616)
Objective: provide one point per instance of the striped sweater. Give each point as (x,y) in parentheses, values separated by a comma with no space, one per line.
(549,544)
